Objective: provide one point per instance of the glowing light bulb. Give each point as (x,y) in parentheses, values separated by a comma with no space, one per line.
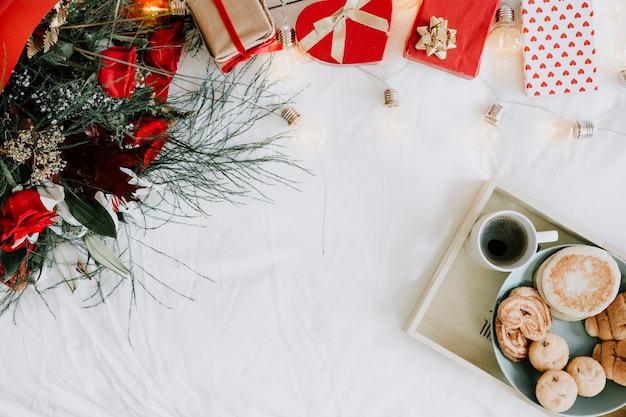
(391,119)
(287,62)
(485,132)
(505,38)
(405,4)
(152,10)
(563,132)
(307,133)
(148,8)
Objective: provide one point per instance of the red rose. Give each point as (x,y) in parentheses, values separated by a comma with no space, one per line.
(164,50)
(150,137)
(23,215)
(117,72)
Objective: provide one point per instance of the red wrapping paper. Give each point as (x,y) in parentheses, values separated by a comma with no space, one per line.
(19,18)
(472,21)
(322,26)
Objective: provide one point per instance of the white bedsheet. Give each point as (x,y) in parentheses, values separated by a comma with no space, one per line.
(310,291)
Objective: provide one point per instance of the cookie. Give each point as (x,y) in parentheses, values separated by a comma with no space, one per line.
(556,390)
(588,374)
(551,352)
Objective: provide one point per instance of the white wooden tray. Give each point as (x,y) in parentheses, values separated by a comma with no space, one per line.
(459,297)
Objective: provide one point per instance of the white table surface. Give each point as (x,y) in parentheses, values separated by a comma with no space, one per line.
(311,290)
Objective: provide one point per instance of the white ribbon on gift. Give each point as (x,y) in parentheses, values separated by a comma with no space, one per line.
(336,23)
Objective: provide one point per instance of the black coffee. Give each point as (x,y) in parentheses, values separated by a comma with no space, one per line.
(503,241)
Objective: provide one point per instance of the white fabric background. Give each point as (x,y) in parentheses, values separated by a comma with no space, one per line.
(311,290)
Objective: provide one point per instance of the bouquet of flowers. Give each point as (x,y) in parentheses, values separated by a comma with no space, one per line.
(91,134)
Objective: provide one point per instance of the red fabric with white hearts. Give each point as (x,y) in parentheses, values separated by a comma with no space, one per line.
(559,50)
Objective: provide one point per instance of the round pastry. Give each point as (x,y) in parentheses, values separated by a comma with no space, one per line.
(552,352)
(556,390)
(578,281)
(588,374)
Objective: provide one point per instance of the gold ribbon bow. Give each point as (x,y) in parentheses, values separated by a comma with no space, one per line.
(336,23)
(436,37)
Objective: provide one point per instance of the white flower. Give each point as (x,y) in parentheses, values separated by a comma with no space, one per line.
(51,194)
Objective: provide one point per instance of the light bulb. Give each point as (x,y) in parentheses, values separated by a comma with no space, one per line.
(622,77)
(505,38)
(287,61)
(485,132)
(405,4)
(616,10)
(563,132)
(617,58)
(617,54)
(151,10)
(307,133)
(391,119)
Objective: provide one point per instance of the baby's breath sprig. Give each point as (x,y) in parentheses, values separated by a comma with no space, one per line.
(39,150)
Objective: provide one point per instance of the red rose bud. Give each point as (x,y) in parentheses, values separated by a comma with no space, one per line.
(23,215)
(164,50)
(118,70)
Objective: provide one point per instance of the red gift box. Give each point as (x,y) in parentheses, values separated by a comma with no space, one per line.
(345,31)
(469,20)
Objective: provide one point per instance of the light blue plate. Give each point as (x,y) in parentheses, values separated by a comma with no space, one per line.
(523,377)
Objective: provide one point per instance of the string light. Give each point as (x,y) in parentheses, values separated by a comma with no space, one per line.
(485,132)
(153,8)
(562,131)
(287,61)
(307,133)
(617,59)
(505,38)
(391,119)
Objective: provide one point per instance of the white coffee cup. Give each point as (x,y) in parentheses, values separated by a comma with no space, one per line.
(505,240)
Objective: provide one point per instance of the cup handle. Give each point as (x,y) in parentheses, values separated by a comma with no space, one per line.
(547,236)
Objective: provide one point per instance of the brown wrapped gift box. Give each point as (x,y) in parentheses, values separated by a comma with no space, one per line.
(236,31)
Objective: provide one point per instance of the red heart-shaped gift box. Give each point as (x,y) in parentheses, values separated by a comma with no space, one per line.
(345,31)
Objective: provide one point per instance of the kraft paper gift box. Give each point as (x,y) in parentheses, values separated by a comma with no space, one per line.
(345,32)
(559,51)
(233,30)
(450,35)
